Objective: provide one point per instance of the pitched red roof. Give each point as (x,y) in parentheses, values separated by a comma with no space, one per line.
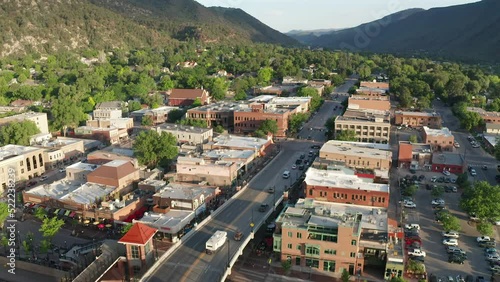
(186,93)
(139,234)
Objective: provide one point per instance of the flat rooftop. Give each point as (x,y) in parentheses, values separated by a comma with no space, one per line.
(419,114)
(234,141)
(156,110)
(290,100)
(309,212)
(184,191)
(86,142)
(483,112)
(361,149)
(369,98)
(228,154)
(96,128)
(262,98)
(170,222)
(218,107)
(339,179)
(492,139)
(83,166)
(365,115)
(443,132)
(183,128)
(11,150)
(447,158)
(78,192)
(57,143)
(268,108)
(202,162)
(21,117)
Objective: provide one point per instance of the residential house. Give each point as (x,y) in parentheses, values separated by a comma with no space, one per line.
(186,97)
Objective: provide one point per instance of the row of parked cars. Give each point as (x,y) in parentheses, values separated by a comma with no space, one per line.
(491,254)
(413,243)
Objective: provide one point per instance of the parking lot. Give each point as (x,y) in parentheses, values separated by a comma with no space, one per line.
(436,260)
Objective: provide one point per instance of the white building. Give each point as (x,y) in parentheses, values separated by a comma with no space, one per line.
(187,134)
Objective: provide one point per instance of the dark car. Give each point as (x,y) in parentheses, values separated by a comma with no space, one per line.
(301,167)
(421,177)
(297,162)
(428,187)
(263,207)
(497,177)
(315,147)
(31,183)
(456,259)
(480,279)
(302,156)
(489,244)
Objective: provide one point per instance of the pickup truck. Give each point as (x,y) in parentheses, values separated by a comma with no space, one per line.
(417,253)
(216,241)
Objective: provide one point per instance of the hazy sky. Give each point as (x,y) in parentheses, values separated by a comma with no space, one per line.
(285,15)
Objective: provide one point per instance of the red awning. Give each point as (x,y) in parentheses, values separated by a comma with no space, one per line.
(72,214)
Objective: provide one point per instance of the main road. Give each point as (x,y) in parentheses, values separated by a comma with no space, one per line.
(190,262)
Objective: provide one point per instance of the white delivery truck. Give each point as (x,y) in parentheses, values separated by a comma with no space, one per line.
(216,241)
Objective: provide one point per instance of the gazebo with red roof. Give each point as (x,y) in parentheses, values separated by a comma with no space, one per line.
(140,249)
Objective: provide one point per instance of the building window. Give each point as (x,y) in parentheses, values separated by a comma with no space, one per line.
(299,235)
(137,269)
(330,252)
(311,250)
(312,263)
(352,255)
(135,251)
(310,192)
(353,243)
(290,234)
(299,247)
(329,266)
(289,246)
(297,261)
(147,248)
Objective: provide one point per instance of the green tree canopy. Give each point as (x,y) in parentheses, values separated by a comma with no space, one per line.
(175,115)
(296,121)
(4,213)
(437,191)
(485,228)
(194,122)
(152,149)
(267,126)
(50,227)
(18,133)
(413,139)
(483,199)
(346,135)
(147,121)
(451,223)
(264,75)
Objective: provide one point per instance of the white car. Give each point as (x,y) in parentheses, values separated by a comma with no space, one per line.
(483,239)
(473,172)
(450,242)
(62,170)
(456,144)
(493,257)
(412,226)
(410,205)
(294,166)
(437,201)
(286,174)
(434,179)
(447,173)
(451,234)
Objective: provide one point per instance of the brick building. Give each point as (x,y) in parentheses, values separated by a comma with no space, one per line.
(117,173)
(183,197)
(439,139)
(140,248)
(454,163)
(220,113)
(186,97)
(381,103)
(158,115)
(358,154)
(488,117)
(331,237)
(417,119)
(248,119)
(338,187)
(369,125)
(414,155)
(195,170)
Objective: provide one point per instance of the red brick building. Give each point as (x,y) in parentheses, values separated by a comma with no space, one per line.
(186,97)
(248,120)
(414,155)
(138,242)
(454,163)
(338,187)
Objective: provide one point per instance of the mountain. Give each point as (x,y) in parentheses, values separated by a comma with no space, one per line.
(316,32)
(467,32)
(49,25)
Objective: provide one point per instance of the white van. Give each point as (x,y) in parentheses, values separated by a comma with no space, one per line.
(286,174)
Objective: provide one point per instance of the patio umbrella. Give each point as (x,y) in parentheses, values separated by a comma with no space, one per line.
(101,226)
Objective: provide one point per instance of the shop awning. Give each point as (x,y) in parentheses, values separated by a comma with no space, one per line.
(67,213)
(56,211)
(72,214)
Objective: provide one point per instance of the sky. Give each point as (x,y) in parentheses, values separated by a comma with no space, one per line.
(286,15)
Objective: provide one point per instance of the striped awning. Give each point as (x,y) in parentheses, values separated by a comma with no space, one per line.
(67,213)
(56,211)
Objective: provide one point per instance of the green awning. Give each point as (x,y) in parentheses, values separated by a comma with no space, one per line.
(56,211)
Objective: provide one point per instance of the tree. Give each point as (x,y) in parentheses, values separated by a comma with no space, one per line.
(286,264)
(18,133)
(330,126)
(4,213)
(147,121)
(264,75)
(451,223)
(152,149)
(45,246)
(219,129)
(134,106)
(126,228)
(482,199)
(485,228)
(218,88)
(398,279)
(345,275)
(437,191)
(175,115)
(196,102)
(240,95)
(40,213)
(347,135)
(194,122)
(415,267)
(267,126)
(463,180)
(296,121)
(413,139)
(411,190)
(496,150)
(4,241)
(50,227)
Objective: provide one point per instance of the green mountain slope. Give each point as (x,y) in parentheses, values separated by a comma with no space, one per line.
(50,25)
(467,32)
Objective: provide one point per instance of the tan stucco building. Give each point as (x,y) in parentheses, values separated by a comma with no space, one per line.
(20,163)
(358,154)
(369,125)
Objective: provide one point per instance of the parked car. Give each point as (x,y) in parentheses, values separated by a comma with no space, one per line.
(437,201)
(450,242)
(451,234)
(483,239)
(473,172)
(434,179)
(412,226)
(484,167)
(489,251)
(487,244)
(418,258)
(263,207)
(62,170)
(294,166)
(447,173)
(43,178)
(417,253)
(270,190)
(410,205)
(493,257)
